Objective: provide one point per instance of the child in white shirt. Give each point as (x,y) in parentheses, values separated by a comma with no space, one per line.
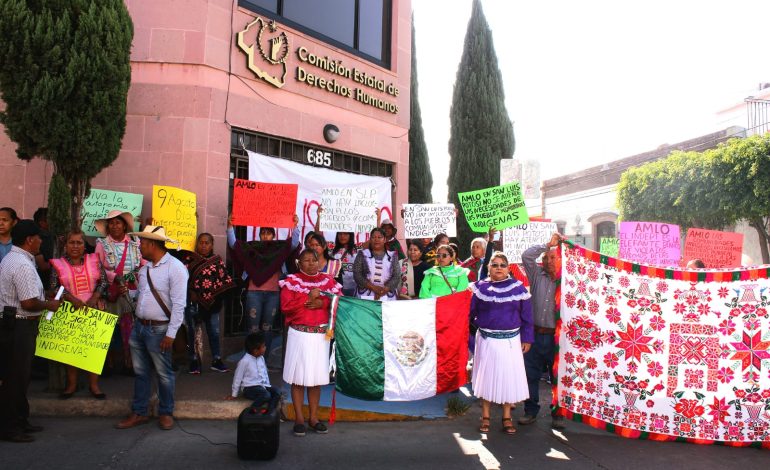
(251,375)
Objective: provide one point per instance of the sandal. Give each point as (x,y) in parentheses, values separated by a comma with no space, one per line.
(508,429)
(484,424)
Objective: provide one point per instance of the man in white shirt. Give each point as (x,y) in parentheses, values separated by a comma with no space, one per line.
(159,315)
(23,300)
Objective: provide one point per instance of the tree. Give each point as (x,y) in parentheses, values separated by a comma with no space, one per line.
(420,177)
(65,77)
(746,189)
(481,131)
(711,189)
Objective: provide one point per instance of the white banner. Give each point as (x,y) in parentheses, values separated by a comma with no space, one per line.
(312,180)
(519,238)
(428,220)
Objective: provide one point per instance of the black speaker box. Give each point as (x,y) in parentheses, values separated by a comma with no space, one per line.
(258,434)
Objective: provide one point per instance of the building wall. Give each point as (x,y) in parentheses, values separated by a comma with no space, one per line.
(190,86)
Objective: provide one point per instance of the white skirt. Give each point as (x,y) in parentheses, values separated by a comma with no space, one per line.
(307,359)
(499,375)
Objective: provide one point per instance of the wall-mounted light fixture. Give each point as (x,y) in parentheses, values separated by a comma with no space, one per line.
(331,133)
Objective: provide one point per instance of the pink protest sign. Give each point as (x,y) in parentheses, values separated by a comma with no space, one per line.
(650,242)
(716,249)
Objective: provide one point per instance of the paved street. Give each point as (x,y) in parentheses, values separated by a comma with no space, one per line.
(443,444)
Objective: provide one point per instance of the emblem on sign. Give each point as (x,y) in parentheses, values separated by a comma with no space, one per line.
(266,51)
(410,349)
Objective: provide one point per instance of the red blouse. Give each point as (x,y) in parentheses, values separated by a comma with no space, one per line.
(295,290)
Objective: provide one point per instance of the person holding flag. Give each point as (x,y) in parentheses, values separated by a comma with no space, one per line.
(307,348)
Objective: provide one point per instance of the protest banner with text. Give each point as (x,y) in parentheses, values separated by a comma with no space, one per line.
(519,238)
(175,210)
(650,242)
(78,337)
(100,201)
(499,206)
(716,249)
(428,220)
(261,204)
(348,209)
(609,246)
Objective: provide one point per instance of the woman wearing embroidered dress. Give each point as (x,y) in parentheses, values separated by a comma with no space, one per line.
(307,348)
(376,270)
(412,271)
(502,311)
(120,257)
(446,277)
(85,284)
(326,264)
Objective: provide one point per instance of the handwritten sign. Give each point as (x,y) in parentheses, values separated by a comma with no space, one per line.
(609,246)
(716,249)
(428,220)
(260,204)
(79,338)
(175,210)
(100,201)
(650,242)
(348,209)
(519,238)
(500,207)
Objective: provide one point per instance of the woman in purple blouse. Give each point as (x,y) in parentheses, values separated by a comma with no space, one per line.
(502,311)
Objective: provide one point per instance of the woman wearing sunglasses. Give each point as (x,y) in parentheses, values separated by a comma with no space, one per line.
(446,277)
(502,311)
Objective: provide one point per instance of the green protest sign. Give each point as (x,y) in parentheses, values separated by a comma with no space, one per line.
(79,338)
(101,201)
(500,207)
(608,246)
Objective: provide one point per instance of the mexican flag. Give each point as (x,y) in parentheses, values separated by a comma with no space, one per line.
(401,350)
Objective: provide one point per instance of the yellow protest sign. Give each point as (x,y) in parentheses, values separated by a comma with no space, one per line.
(175,210)
(79,338)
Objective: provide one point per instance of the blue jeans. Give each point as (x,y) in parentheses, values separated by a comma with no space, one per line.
(146,354)
(261,395)
(261,307)
(540,354)
(195,314)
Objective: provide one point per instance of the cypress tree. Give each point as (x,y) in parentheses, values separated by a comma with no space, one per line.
(420,177)
(481,131)
(64,78)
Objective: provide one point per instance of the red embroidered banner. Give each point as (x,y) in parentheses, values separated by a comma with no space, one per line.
(665,354)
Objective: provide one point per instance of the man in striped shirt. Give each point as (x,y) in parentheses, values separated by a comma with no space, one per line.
(23,300)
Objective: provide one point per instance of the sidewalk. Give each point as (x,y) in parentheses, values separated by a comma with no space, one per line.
(202,397)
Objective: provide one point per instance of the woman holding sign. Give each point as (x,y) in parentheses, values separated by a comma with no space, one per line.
(446,277)
(121,259)
(376,270)
(85,285)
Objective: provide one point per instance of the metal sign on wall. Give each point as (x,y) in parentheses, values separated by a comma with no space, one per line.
(267,50)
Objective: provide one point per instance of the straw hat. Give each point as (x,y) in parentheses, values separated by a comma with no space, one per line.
(154,232)
(101,224)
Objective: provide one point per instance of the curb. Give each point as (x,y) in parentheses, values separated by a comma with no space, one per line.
(188,409)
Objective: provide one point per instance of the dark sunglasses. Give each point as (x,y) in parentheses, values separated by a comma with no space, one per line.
(498,265)
(444,255)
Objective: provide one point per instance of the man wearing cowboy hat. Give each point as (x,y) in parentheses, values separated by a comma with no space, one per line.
(159,314)
(390,234)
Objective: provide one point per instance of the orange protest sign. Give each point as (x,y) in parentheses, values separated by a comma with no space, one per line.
(258,204)
(716,249)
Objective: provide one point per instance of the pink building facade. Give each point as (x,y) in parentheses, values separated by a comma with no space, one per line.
(212,77)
